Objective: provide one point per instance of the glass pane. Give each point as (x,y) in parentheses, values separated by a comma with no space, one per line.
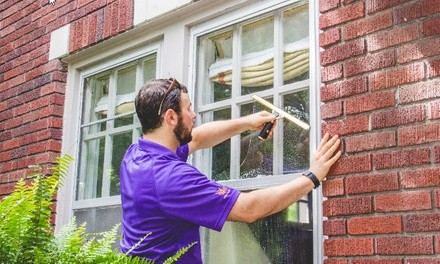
(217,59)
(92,165)
(296,44)
(257,71)
(125,94)
(120,144)
(95,99)
(296,140)
(149,68)
(256,155)
(221,154)
(277,239)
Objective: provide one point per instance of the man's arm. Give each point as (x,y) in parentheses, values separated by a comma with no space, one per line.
(257,204)
(210,134)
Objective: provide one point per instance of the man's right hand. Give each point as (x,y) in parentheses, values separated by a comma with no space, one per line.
(325,156)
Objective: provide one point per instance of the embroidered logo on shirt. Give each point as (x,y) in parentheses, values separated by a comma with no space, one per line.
(222,191)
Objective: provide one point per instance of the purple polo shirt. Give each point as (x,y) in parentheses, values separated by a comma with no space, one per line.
(168,197)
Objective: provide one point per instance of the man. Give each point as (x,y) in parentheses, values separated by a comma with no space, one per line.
(169,199)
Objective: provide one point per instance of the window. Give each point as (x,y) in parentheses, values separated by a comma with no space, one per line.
(108,126)
(264,51)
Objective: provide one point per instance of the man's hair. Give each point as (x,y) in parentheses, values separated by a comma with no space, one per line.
(149,98)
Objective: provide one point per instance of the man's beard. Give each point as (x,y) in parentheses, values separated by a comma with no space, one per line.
(182,133)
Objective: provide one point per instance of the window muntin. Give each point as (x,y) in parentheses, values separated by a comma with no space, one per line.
(268,55)
(109,124)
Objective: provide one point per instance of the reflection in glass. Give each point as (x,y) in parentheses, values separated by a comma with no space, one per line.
(257,60)
(97,90)
(217,56)
(221,154)
(90,183)
(296,140)
(149,69)
(120,144)
(279,239)
(256,155)
(296,44)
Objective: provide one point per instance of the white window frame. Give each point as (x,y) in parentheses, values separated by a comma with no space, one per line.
(314,83)
(72,122)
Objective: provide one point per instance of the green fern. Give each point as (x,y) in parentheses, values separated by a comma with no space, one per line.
(26,234)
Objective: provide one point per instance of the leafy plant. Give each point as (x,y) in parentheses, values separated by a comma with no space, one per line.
(26,233)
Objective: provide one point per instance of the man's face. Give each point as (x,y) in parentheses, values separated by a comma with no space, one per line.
(185,123)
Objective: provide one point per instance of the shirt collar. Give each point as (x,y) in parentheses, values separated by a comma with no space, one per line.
(156,149)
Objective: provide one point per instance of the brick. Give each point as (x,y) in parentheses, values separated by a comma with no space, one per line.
(398,116)
(367,25)
(369,102)
(328,73)
(378,261)
(341,15)
(392,37)
(401,158)
(336,227)
(333,187)
(433,68)
(434,260)
(372,183)
(405,245)
(342,52)
(378,5)
(403,202)
(349,247)
(420,91)
(420,178)
(332,109)
(347,206)
(370,141)
(437,154)
(347,126)
(335,261)
(434,110)
(437,245)
(422,49)
(374,225)
(431,27)
(437,201)
(394,77)
(421,134)
(407,13)
(369,63)
(344,89)
(424,222)
(430,7)
(6,188)
(329,37)
(327,5)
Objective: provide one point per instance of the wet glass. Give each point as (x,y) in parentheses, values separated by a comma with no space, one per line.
(296,140)
(256,155)
(278,239)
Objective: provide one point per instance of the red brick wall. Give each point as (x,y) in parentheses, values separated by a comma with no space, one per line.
(32,87)
(381,73)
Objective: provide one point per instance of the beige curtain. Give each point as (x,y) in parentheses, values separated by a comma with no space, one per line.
(257,68)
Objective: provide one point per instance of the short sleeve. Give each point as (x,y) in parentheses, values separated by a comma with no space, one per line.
(189,195)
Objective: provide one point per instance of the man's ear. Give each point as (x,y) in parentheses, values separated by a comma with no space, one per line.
(170,117)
